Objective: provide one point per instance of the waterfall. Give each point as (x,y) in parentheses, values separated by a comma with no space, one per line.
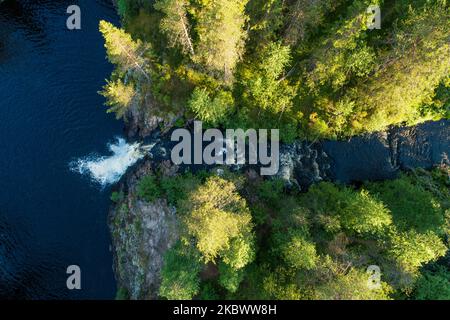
(106,170)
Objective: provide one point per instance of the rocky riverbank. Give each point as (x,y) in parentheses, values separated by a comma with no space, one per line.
(141,233)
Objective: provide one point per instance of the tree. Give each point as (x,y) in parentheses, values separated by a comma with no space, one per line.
(213,111)
(305,15)
(219,222)
(265,20)
(364,214)
(411,205)
(123,51)
(343,51)
(175,24)
(358,213)
(265,89)
(439,107)
(119,97)
(180,280)
(433,285)
(352,286)
(278,284)
(229,277)
(412,250)
(221,35)
(409,75)
(266,95)
(299,253)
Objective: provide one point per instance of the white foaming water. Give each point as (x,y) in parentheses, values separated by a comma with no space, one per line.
(108,170)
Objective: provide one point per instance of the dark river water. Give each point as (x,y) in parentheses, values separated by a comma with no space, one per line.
(50,114)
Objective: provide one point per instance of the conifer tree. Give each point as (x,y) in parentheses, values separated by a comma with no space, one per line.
(220,28)
(409,75)
(175,24)
(119,97)
(123,51)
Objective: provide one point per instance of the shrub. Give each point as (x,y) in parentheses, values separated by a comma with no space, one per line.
(148,188)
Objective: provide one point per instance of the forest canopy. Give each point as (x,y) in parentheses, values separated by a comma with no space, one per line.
(243,237)
(313,69)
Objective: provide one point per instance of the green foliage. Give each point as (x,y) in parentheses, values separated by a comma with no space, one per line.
(148,188)
(309,68)
(365,214)
(352,286)
(119,97)
(411,205)
(208,292)
(175,24)
(433,285)
(117,196)
(220,223)
(266,20)
(315,245)
(412,250)
(439,107)
(176,188)
(266,96)
(343,52)
(356,212)
(305,17)
(278,285)
(271,190)
(299,253)
(397,91)
(230,278)
(122,294)
(123,51)
(221,35)
(213,111)
(180,280)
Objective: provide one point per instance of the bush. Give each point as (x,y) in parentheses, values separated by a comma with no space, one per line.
(117,196)
(148,188)
(122,294)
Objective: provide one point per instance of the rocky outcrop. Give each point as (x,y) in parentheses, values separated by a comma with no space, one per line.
(141,234)
(303,163)
(143,117)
